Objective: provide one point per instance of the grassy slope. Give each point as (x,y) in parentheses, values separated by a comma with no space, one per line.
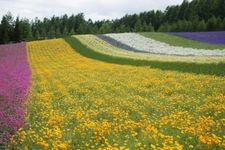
(180,41)
(211,69)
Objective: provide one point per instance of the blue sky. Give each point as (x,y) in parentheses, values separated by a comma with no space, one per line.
(94,9)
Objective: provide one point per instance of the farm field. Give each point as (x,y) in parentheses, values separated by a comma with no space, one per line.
(96,48)
(175,40)
(148,45)
(103,47)
(112,75)
(81,102)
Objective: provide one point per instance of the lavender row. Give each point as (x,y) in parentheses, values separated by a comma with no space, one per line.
(116,43)
(217,37)
(14,81)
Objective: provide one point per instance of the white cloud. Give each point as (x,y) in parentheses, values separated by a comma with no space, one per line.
(94,9)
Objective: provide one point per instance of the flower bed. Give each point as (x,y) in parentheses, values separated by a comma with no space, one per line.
(14,81)
(143,44)
(217,37)
(80,103)
(103,47)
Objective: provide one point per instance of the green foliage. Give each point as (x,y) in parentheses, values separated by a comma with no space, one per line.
(51,33)
(37,35)
(212,24)
(57,33)
(5,30)
(65,31)
(138,26)
(195,15)
(202,26)
(106,27)
(18,30)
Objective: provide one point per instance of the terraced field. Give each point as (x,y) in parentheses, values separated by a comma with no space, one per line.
(88,94)
(104,47)
(148,45)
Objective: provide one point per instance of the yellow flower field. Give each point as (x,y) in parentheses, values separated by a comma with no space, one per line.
(80,103)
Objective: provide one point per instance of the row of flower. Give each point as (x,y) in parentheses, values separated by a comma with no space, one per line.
(216,37)
(144,44)
(14,81)
(104,46)
(81,103)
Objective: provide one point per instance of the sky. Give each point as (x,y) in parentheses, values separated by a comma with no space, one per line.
(94,9)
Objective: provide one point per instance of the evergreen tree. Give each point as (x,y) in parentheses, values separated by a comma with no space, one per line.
(212,24)
(43,33)
(65,31)
(37,35)
(122,28)
(5,30)
(105,28)
(51,33)
(18,30)
(144,27)
(202,26)
(72,32)
(223,24)
(57,32)
(1,34)
(26,30)
(219,24)
(138,27)
(150,28)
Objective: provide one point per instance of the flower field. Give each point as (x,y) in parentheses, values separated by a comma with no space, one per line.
(81,103)
(104,47)
(181,41)
(14,81)
(143,44)
(216,37)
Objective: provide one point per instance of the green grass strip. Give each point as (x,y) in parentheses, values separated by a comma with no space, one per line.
(216,69)
(175,40)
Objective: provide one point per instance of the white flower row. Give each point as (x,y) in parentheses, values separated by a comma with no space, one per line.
(144,44)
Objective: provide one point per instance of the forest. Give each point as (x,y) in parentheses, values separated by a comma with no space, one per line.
(195,15)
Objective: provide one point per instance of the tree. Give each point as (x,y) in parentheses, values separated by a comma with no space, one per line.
(202,26)
(150,28)
(106,27)
(18,30)
(72,32)
(57,32)
(65,31)
(223,24)
(144,27)
(164,28)
(138,27)
(37,35)
(5,30)
(212,23)
(219,24)
(51,33)
(26,30)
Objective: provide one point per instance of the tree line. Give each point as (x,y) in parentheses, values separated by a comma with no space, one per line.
(197,15)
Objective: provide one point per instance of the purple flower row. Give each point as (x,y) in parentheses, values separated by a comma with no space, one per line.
(217,37)
(14,81)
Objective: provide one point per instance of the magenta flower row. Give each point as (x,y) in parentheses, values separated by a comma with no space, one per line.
(14,82)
